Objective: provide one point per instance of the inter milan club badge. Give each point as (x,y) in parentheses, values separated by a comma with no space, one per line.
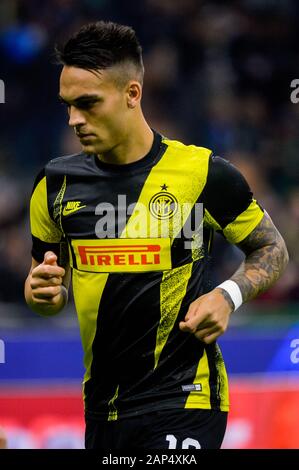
(163,205)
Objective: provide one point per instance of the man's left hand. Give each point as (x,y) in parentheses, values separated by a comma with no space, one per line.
(208,316)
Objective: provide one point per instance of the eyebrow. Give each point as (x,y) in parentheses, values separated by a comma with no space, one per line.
(80,99)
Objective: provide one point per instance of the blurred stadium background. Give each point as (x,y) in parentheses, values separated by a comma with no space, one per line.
(218,75)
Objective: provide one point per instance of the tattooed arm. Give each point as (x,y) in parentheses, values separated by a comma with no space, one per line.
(231,209)
(266,258)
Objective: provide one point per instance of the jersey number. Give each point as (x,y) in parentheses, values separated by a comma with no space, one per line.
(186,444)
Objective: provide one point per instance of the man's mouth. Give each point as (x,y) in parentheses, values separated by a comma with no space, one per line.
(85,136)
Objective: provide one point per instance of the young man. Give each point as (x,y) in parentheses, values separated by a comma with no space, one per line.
(132,217)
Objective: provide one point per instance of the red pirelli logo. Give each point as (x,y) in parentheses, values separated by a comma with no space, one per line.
(122,255)
(131,254)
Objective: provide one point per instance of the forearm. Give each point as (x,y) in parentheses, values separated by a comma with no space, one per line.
(264,265)
(45,308)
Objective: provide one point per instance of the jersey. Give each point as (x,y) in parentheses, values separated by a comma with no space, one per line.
(138,239)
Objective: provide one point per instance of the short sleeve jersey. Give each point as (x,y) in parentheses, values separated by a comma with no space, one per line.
(138,239)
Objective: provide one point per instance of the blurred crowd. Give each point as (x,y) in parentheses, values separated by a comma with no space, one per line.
(217,74)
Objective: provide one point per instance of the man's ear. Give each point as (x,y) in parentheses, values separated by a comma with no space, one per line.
(134,93)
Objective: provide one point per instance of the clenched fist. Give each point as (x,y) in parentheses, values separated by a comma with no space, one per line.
(44,290)
(208,316)
(46,280)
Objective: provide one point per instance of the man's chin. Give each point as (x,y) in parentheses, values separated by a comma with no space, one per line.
(88,149)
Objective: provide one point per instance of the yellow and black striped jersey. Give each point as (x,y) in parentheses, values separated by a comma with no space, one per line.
(138,238)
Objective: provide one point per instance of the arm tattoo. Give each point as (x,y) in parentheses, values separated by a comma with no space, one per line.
(228,298)
(266,257)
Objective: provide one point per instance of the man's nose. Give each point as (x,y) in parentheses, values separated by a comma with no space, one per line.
(76,117)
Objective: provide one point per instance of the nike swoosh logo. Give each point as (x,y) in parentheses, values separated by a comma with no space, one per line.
(67,211)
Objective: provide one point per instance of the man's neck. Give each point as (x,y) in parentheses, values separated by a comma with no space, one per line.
(132,149)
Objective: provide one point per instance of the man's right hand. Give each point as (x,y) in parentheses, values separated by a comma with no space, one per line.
(48,295)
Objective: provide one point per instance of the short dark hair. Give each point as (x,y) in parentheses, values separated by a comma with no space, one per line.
(101,45)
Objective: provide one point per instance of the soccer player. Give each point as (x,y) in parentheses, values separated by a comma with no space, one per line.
(132,218)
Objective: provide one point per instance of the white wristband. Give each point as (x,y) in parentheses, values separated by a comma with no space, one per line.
(232,288)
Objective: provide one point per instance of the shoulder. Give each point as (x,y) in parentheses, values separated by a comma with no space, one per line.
(223,175)
(65,163)
(54,172)
(227,194)
(193,151)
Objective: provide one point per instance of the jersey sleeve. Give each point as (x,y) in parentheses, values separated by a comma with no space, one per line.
(46,235)
(229,206)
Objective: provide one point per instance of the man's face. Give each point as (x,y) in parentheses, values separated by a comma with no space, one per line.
(97,108)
